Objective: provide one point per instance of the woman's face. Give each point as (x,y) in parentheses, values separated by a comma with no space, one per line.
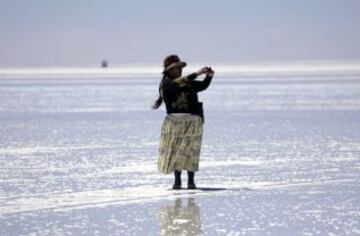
(175,72)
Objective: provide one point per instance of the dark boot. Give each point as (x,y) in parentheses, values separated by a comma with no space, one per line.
(177,184)
(191,183)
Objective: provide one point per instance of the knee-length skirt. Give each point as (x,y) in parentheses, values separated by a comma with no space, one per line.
(180,143)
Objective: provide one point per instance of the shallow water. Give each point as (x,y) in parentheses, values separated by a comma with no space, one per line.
(78,157)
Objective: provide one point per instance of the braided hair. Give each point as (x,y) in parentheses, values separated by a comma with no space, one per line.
(159,100)
(167,61)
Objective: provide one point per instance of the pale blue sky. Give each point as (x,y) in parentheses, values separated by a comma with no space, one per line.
(83,32)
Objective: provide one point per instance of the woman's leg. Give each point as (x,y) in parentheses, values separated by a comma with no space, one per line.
(177,184)
(191,183)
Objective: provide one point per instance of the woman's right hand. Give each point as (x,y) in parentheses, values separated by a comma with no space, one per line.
(203,70)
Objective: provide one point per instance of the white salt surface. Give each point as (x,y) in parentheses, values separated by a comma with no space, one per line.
(279,157)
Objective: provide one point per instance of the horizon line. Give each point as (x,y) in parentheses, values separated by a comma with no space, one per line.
(204,63)
(278,68)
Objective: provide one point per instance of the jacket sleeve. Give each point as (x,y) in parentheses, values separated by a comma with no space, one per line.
(201,85)
(174,86)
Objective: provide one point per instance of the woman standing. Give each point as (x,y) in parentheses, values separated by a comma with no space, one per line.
(182,129)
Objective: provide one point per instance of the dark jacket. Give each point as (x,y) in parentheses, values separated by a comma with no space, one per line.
(180,95)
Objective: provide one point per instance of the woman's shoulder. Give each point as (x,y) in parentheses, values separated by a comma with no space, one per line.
(181,81)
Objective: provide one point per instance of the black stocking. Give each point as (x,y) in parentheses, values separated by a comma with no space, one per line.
(191,177)
(177,174)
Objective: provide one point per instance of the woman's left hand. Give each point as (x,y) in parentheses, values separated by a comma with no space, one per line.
(210,72)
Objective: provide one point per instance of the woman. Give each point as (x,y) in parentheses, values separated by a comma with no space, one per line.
(181,132)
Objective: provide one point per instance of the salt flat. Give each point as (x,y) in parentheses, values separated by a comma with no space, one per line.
(78,157)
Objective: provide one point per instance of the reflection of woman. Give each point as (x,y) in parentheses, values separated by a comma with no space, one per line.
(179,219)
(181,132)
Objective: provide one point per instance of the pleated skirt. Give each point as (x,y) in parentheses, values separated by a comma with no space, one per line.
(180,143)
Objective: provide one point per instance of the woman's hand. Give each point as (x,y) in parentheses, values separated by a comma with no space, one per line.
(202,71)
(205,70)
(210,72)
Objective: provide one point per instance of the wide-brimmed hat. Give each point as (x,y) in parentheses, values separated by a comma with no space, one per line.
(172,61)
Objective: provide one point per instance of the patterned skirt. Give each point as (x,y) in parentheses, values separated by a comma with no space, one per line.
(180,143)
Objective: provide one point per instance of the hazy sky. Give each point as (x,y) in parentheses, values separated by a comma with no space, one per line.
(83,32)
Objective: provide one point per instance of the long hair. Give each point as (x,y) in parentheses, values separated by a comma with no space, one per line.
(159,100)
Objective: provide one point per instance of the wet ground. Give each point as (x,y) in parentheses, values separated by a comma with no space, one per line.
(78,157)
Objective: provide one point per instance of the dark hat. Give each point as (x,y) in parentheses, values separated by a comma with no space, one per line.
(173,60)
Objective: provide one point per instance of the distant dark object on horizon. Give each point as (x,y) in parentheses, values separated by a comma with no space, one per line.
(104,64)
